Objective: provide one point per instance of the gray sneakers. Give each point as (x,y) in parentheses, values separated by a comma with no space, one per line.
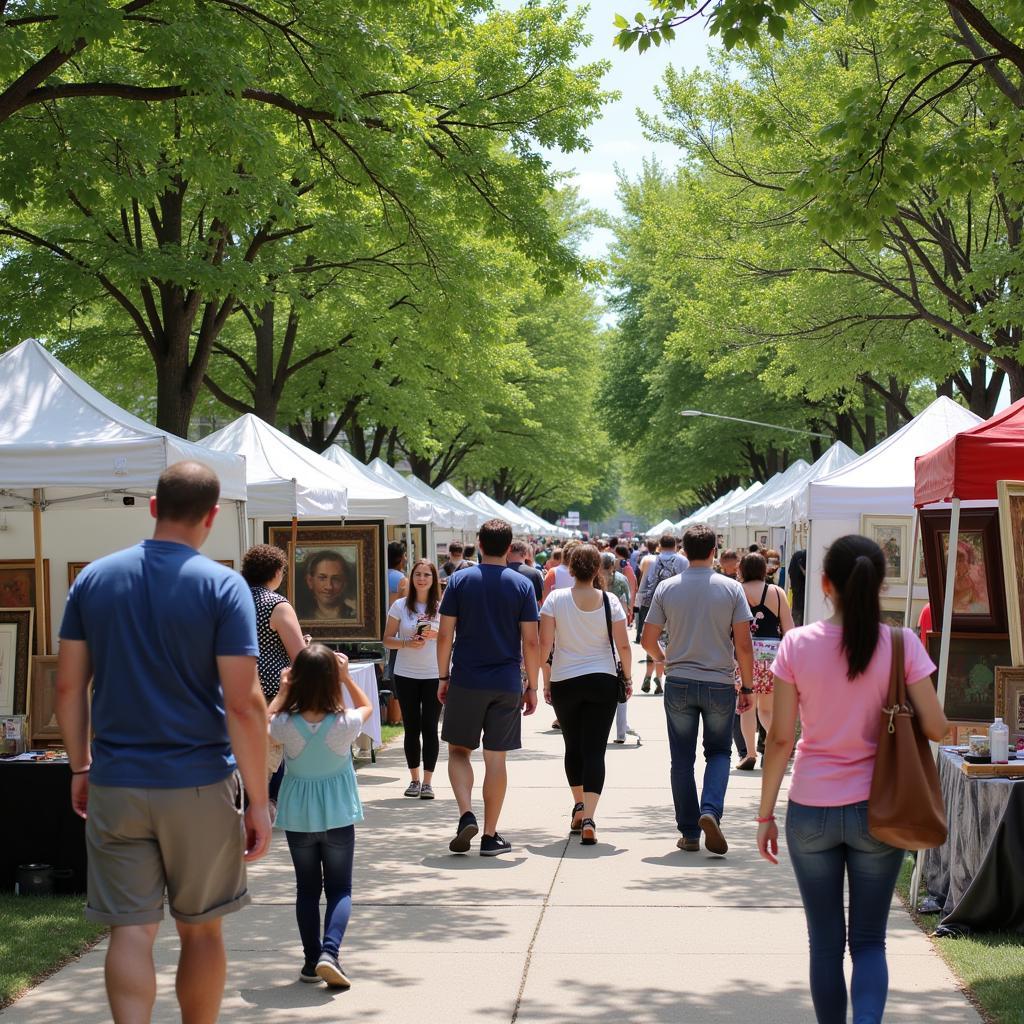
(328,968)
(426,791)
(414,789)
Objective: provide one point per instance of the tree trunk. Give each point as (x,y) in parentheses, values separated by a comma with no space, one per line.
(1015,375)
(265,398)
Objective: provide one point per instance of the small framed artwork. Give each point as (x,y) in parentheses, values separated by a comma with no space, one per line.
(762,538)
(74,568)
(893,609)
(229,562)
(15,652)
(1010,700)
(18,586)
(43,714)
(337,572)
(979,596)
(971,679)
(418,534)
(892,535)
(1011,532)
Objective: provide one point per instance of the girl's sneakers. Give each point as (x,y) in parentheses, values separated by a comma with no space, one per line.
(308,974)
(328,968)
(414,790)
(426,791)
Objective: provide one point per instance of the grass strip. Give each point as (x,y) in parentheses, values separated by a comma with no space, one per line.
(989,966)
(38,935)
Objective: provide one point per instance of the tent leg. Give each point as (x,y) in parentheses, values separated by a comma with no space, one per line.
(243,532)
(915,535)
(294,567)
(408,542)
(42,626)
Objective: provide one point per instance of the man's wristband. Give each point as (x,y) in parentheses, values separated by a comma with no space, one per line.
(533,688)
(82,771)
(746,689)
(444,679)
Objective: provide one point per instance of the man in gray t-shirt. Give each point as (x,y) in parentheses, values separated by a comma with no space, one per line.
(706,616)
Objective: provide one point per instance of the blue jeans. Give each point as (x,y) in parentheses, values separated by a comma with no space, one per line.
(687,703)
(826,844)
(323,862)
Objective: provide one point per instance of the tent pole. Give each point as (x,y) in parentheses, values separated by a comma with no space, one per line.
(408,541)
(243,535)
(944,642)
(42,626)
(915,540)
(295,561)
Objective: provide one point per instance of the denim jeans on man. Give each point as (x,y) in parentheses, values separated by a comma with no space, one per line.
(687,703)
(826,844)
(323,861)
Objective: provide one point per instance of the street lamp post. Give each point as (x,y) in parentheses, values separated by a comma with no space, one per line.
(755,423)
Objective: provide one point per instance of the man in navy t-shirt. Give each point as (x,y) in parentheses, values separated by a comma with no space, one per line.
(168,638)
(490,611)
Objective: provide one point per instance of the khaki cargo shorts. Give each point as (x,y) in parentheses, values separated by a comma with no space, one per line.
(143,842)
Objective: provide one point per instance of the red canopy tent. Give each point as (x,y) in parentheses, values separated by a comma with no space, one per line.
(967,466)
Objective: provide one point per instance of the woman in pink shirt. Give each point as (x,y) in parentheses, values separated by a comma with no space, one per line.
(836,674)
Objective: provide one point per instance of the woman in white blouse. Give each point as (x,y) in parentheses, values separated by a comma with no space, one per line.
(584,686)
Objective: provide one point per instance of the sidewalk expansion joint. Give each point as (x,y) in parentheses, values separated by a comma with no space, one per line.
(536,932)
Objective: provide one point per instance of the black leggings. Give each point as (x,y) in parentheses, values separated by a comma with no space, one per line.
(421,711)
(585,706)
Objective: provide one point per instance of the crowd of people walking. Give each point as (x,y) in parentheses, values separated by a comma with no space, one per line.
(212,714)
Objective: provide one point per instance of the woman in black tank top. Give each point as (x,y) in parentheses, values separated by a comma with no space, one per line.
(772,618)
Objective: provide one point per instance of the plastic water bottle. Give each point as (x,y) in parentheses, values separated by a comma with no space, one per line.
(999,742)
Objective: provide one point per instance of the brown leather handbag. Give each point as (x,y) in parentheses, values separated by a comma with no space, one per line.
(905,808)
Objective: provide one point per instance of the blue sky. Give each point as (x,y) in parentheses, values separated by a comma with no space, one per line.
(617,139)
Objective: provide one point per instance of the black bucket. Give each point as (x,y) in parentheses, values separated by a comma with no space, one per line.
(33,880)
(63,881)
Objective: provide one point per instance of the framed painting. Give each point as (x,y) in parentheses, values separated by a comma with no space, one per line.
(894,607)
(337,572)
(418,534)
(18,587)
(15,654)
(971,680)
(892,535)
(979,596)
(1010,700)
(762,538)
(1011,532)
(74,568)
(43,709)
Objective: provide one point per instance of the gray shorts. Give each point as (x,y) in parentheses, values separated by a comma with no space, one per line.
(494,714)
(141,842)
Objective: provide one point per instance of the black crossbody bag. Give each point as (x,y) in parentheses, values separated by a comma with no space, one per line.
(622,695)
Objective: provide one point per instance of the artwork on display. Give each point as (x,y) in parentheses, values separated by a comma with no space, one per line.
(762,538)
(1011,531)
(979,597)
(971,679)
(337,572)
(74,568)
(418,534)
(43,715)
(893,609)
(229,562)
(892,535)
(18,586)
(15,653)
(1009,705)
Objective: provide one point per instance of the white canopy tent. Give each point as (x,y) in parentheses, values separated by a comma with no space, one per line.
(444,513)
(452,492)
(754,512)
(541,526)
(719,519)
(665,526)
(789,505)
(285,478)
(517,522)
(700,515)
(879,483)
(369,496)
(91,466)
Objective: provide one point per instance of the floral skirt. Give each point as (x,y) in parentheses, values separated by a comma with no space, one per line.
(764,680)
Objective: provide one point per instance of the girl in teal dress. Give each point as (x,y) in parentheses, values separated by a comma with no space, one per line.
(319,804)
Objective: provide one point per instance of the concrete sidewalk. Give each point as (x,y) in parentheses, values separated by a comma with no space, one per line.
(630,930)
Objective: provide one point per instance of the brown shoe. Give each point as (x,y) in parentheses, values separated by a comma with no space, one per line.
(688,845)
(714,841)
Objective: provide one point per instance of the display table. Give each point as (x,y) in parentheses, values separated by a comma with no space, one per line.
(39,825)
(976,874)
(364,674)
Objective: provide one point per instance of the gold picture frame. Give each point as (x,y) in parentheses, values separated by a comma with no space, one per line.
(1009,703)
(892,535)
(15,659)
(1011,532)
(18,587)
(893,609)
(43,706)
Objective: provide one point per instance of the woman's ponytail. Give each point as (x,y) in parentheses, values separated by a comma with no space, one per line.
(855,566)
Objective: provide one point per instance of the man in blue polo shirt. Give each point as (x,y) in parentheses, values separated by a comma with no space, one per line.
(490,613)
(169,639)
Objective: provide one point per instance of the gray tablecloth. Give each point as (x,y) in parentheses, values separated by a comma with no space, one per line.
(976,875)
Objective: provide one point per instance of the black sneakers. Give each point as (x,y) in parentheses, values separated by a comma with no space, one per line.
(308,974)
(465,833)
(491,846)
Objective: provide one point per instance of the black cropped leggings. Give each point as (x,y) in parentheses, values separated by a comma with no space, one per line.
(585,706)
(421,711)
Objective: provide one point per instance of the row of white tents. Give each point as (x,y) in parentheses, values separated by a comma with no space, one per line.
(824,501)
(90,466)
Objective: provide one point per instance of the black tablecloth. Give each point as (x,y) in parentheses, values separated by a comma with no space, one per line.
(976,875)
(39,826)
